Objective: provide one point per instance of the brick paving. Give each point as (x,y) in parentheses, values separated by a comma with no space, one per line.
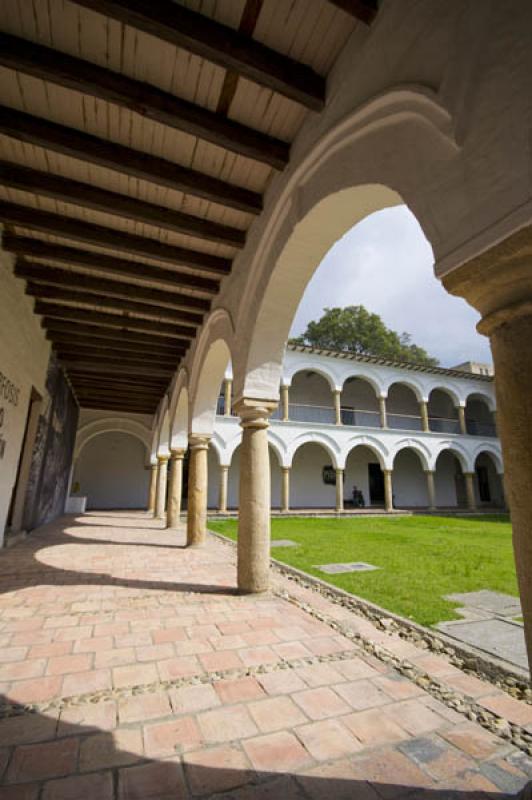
(130,668)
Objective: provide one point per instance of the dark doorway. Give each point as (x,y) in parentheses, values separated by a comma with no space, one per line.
(376,484)
(483,485)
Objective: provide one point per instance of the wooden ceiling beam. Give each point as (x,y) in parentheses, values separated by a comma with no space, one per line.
(118,344)
(118,158)
(104,405)
(111,304)
(118,369)
(80,328)
(363,10)
(154,385)
(152,103)
(219,44)
(112,320)
(95,388)
(109,266)
(80,350)
(88,232)
(81,282)
(120,205)
(134,396)
(95,358)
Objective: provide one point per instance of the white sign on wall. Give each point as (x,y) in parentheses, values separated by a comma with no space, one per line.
(9,396)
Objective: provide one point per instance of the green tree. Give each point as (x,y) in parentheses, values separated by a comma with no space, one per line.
(356,330)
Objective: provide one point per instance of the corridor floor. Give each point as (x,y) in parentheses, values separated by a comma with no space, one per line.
(130,668)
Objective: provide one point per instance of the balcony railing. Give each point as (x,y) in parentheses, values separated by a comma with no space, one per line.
(405,422)
(444,425)
(361,418)
(306,413)
(475,428)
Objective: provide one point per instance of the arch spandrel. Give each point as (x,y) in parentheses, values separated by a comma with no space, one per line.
(313,437)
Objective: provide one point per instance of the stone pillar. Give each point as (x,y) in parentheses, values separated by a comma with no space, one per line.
(462,420)
(175,487)
(285,403)
(162,476)
(253,551)
(222,489)
(424,411)
(339,490)
(383,412)
(228,392)
(337,407)
(431,490)
(285,490)
(153,488)
(470,490)
(498,283)
(388,490)
(198,445)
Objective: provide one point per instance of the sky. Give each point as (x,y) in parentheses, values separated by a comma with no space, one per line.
(385,263)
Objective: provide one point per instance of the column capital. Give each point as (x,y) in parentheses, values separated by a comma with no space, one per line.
(254,413)
(199,441)
(224,467)
(498,282)
(177,453)
(162,458)
(286,469)
(429,471)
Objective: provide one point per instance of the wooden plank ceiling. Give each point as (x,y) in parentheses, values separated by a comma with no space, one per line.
(136,142)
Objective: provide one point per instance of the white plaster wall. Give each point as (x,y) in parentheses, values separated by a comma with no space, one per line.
(213,478)
(24,355)
(307,489)
(409,481)
(233,480)
(111,472)
(444,480)
(275,480)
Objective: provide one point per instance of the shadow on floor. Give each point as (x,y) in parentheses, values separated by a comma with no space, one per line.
(56,758)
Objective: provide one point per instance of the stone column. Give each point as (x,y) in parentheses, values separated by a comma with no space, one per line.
(285,403)
(285,489)
(424,411)
(153,488)
(431,490)
(470,490)
(388,490)
(383,412)
(222,489)
(228,392)
(162,476)
(337,407)
(339,490)
(198,445)
(175,487)
(253,551)
(462,420)
(498,283)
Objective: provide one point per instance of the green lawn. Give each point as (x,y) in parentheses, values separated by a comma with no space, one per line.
(421,558)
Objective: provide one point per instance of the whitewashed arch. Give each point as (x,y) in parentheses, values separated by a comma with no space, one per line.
(278,446)
(362,164)
(370,377)
(488,398)
(219,447)
(163,445)
(448,389)
(493,451)
(411,383)
(210,360)
(377,447)
(315,437)
(463,456)
(112,425)
(179,413)
(327,374)
(413,444)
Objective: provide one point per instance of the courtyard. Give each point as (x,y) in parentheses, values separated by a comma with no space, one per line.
(132,668)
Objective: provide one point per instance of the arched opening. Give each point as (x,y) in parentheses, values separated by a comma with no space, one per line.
(213,478)
(207,387)
(403,408)
(409,481)
(311,398)
(313,477)
(275,478)
(488,483)
(359,403)
(111,471)
(442,412)
(449,481)
(363,473)
(479,418)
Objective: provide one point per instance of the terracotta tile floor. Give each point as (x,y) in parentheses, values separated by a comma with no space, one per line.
(149,677)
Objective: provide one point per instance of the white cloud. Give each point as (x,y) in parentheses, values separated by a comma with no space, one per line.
(386,264)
